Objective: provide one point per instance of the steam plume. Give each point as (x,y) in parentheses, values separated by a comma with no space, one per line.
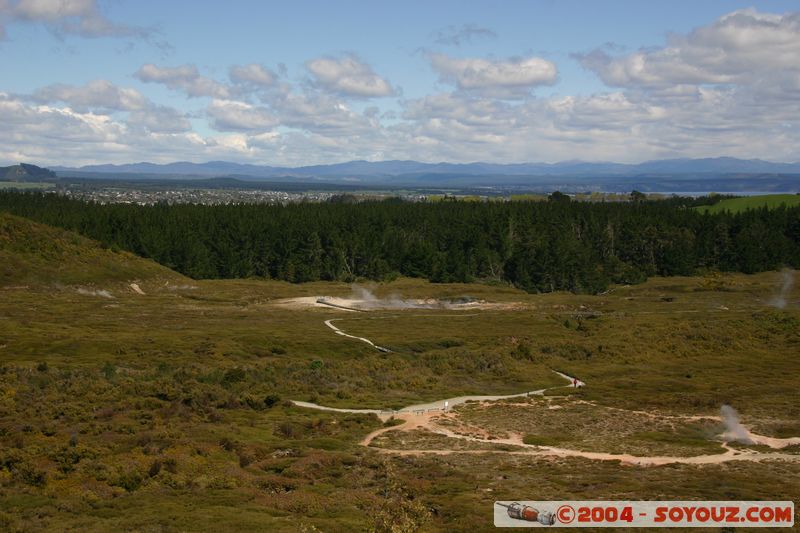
(368,300)
(89,292)
(734,430)
(787,282)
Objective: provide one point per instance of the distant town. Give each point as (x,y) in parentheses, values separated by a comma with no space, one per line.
(126,193)
(115,195)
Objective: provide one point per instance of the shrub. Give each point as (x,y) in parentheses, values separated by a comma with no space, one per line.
(155,468)
(522,351)
(233,375)
(252,402)
(130,480)
(170,465)
(68,457)
(28,474)
(276,485)
(245,459)
(109,370)
(271,400)
(287,430)
(450,343)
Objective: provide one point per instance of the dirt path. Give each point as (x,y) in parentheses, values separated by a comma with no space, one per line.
(338,331)
(427,422)
(428,416)
(437,406)
(575,382)
(310,405)
(773,442)
(362,339)
(632,460)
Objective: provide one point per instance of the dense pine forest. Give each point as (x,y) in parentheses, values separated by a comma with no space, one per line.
(538,246)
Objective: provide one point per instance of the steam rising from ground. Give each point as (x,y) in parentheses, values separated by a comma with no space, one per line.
(734,430)
(363,299)
(89,292)
(787,282)
(367,300)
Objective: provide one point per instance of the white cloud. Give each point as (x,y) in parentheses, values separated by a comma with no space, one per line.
(252,74)
(76,17)
(102,96)
(230,115)
(728,88)
(348,76)
(740,48)
(495,77)
(50,135)
(184,78)
(467,111)
(97,94)
(50,127)
(621,126)
(52,10)
(603,112)
(321,114)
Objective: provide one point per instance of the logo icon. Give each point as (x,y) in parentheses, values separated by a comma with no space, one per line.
(565,514)
(527,513)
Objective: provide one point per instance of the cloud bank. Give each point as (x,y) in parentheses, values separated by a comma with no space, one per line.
(731,87)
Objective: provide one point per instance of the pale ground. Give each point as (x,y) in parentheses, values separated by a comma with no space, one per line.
(138,290)
(355,304)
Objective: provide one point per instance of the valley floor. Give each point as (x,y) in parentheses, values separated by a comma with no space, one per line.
(160,403)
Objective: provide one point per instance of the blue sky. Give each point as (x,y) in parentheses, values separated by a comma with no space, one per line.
(317,82)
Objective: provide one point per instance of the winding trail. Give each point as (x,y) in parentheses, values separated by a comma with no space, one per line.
(424,416)
(342,333)
(438,405)
(546,451)
(425,422)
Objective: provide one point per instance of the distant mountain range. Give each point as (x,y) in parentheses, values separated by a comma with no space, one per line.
(364,170)
(722,174)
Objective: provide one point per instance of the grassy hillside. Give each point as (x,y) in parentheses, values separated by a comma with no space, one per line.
(167,411)
(735,205)
(36,253)
(26,172)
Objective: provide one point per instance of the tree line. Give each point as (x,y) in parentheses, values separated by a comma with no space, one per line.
(538,246)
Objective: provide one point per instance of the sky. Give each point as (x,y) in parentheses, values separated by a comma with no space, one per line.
(314,82)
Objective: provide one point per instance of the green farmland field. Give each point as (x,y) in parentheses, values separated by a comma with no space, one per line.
(735,205)
(27,185)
